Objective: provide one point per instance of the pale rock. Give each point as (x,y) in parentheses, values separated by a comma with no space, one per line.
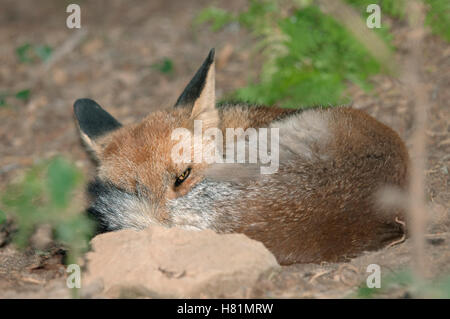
(163,262)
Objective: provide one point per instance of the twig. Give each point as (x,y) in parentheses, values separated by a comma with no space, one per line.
(411,76)
(354,24)
(33,280)
(343,279)
(68,46)
(319,274)
(402,239)
(436,235)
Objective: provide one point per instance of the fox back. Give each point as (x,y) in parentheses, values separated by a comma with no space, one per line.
(319,205)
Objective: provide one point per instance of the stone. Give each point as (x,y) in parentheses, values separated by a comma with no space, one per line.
(163,262)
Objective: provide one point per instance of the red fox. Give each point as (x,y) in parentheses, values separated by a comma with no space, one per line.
(319,206)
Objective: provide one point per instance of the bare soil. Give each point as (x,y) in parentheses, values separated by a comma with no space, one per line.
(111,63)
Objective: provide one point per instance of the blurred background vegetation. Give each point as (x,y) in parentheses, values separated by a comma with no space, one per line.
(405,280)
(44,195)
(310,57)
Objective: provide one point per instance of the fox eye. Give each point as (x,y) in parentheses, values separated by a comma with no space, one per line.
(181,178)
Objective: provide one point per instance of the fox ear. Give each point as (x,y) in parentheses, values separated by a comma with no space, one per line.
(194,88)
(200,94)
(93,121)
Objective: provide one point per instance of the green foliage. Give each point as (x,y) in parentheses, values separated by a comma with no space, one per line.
(218,18)
(405,281)
(438,13)
(399,279)
(44,52)
(23,53)
(255,18)
(23,95)
(3,97)
(2,217)
(393,8)
(310,57)
(45,196)
(438,17)
(28,53)
(165,66)
(257,15)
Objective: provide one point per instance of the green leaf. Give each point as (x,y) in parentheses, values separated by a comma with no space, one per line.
(23,94)
(309,56)
(165,66)
(44,52)
(45,196)
(63,177)
(217,16)
(394,8)
(23,53)
(2,217)
(366,292)
(438,17)
(77,227)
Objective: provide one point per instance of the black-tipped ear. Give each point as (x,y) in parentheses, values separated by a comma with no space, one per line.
(92,119)
(195,87)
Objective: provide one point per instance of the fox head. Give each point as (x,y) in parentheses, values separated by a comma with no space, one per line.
(137,175)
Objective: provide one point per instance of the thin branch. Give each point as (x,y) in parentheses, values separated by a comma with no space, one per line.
(411,77)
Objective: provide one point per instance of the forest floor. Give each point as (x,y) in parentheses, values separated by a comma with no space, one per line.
(111,61)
